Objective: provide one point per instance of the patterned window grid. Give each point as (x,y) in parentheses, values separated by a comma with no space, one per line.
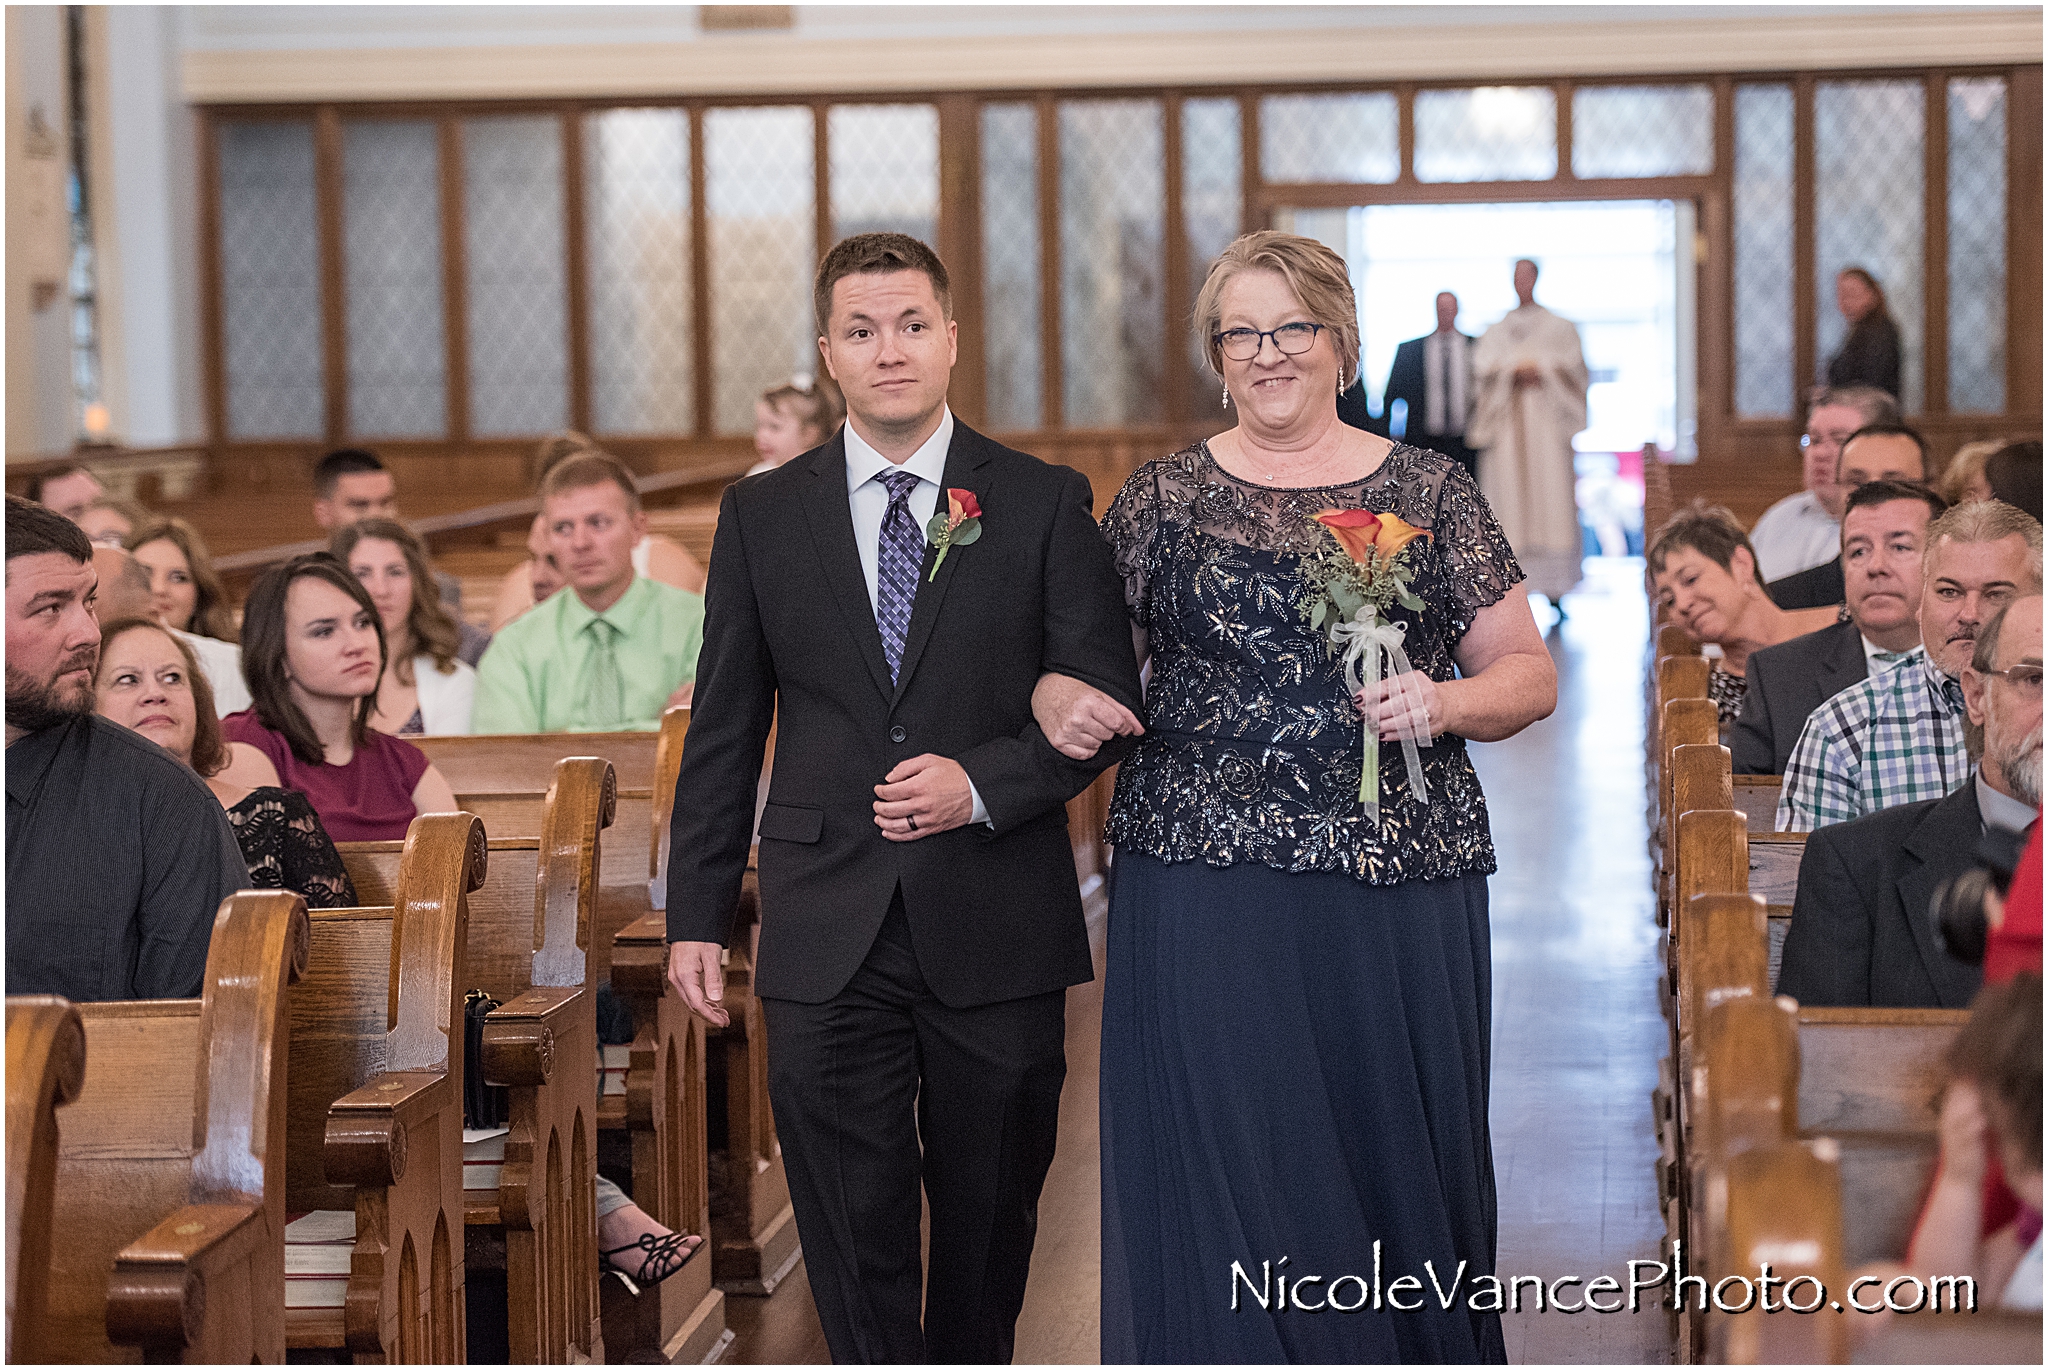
(885,169)
(1870,173)
(517,282)
(1010,260)
(1764,383)
(1212,205)
(391,253)
(1623,131)
(1112,230)
(270,281)
(1487,133)
(1976,245)
(636,215)
(1350,139)
(760,211)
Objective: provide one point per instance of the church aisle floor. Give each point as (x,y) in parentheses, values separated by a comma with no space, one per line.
(1576,1033)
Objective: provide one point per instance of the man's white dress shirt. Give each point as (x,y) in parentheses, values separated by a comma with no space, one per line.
(1795,534)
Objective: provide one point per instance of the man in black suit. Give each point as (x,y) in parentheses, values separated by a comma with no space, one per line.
(920,917)
(1432,380)
(1861,935)
(1876,451)
(1884,533)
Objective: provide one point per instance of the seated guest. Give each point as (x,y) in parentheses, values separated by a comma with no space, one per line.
(117,856)
(1990,1122)
(426,688)
(1881,451)
(614,648)
(313,648)
(792,419)
(1804,530)
(352,484)
(150,682)
(1884,531)
(1897,738)
(2013,474)
(192,603)
(533,580)
(1962,480)
(109,520)
(124,586)
(1705,573)
(1860,935)
(69,490)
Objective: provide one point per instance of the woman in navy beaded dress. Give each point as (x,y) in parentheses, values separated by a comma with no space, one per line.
(1296,1012)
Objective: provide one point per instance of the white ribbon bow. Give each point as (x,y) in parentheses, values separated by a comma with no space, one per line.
(1363,638)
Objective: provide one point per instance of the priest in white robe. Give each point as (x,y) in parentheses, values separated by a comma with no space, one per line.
(1529,381)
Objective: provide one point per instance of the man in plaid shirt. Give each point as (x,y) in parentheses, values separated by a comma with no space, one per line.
(1898,737)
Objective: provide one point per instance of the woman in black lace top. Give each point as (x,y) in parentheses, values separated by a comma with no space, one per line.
(149,682)
(1295,1022)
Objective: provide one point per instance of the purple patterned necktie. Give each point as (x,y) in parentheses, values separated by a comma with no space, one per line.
(898,555)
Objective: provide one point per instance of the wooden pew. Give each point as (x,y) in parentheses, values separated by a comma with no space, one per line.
(45,1069)
(375,1129)
(1673,640)
(170,1194)
(529,926)
(1784,1204)
(1757,797)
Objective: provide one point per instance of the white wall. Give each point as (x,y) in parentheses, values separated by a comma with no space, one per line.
(39,408)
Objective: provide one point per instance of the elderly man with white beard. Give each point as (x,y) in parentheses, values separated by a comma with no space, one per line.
(1861,935)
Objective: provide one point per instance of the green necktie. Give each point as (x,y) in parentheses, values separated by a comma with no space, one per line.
(604,689)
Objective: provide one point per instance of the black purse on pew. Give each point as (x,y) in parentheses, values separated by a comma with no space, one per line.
(483,1105)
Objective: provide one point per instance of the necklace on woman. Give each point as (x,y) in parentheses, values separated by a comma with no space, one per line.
(1296,479)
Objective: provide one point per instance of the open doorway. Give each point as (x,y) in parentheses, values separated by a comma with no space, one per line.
(1622,270)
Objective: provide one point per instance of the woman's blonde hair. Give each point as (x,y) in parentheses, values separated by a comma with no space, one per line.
(1315,274)
(211,615)
(1968,462)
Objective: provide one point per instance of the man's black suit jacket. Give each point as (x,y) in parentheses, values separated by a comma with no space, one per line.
(1860,934)
(1814,588)
(790,637)
(1408,380)
(1786,684)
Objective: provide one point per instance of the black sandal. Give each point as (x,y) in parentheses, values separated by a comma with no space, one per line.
(663,1257)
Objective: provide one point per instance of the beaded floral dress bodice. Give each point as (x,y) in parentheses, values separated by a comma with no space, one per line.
(1252,747)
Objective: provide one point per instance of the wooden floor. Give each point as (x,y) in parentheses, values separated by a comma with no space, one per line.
(1576,1035)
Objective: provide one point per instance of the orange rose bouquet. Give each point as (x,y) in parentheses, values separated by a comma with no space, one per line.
(1352,586)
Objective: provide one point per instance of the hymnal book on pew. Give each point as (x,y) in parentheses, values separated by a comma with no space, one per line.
(317,1251)
(612,1075)
(483,1156)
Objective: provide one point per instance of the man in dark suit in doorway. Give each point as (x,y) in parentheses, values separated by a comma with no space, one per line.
(921,920)
(1861,934)
(1432,381)
(1884,535)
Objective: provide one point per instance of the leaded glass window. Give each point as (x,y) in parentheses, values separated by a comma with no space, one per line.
(1870,173)
(1212,205)
(1350,139)
(1763,252)
(760,208)
(517,286)
(270,281)
(391,254)
(1488,133)
(1112,208)
(1642,131)
(1976,245)
(636,216)
(1010,260)
(885,170)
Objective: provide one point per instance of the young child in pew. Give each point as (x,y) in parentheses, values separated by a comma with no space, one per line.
(1991,1108)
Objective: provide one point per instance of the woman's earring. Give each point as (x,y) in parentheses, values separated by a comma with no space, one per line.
(1226,397)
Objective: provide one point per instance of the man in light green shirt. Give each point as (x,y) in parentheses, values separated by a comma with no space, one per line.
(610,650)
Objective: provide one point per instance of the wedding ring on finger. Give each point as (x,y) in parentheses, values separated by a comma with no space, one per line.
(912,820)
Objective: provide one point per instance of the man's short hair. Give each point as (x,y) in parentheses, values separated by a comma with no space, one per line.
(876,254)
(1708,529)
(38,483)
(1893,429)
(1986,520)
(587,469)
(33,529)
(1875,492)
(1873,404)
(349,461)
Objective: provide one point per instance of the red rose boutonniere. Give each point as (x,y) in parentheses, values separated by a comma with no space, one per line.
(957,525)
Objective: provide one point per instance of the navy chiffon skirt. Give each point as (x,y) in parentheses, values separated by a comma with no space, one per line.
(1294,1065)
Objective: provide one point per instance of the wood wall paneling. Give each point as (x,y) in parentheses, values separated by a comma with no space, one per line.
(702,357)
(1174,304)
(1804,247)
(959,248)
(454,278)
(212,307)
(1052,401)
(2023,243)
(1934,276)
(576,270)
(327,193)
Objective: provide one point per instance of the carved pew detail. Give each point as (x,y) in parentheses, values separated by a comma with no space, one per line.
(377,1107)
(45,1068)
(171,1164)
